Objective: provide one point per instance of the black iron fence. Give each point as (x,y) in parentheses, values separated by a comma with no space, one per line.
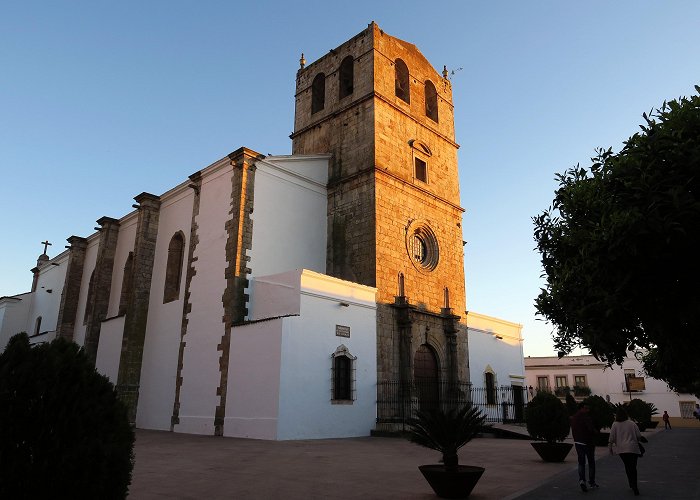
(398,402)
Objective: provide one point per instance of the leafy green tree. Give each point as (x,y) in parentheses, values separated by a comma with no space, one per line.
(620,245)
(63,432)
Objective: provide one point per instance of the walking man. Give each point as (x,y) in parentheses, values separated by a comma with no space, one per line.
(584,434)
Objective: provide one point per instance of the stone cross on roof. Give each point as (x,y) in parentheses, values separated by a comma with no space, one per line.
(46,245)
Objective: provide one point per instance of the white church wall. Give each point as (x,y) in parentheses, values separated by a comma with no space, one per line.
(274,295)
(252,400)
(88,268)
(306,407)
(280,379)
(13,316)
(164,326)
(46,300)
(497,345)
(289,220)
(205,328)
(125,244)
(110,347)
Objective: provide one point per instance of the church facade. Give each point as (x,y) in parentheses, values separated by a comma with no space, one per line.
(271,297)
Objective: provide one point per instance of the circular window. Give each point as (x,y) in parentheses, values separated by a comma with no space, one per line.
(422,247)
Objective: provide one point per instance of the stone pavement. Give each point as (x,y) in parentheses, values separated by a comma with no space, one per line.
(184,466)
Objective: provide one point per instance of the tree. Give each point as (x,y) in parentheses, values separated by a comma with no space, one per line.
(63,432)
(619,249)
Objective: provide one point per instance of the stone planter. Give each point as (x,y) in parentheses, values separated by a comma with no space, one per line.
(552,452)
(452,484)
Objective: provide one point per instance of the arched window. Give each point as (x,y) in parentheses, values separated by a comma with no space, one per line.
(318,93)
(127,280)
(490,383)
(173,270)
(37,326)
(343,375)
(345,76)
(401,85)
(88,300)
(431,101)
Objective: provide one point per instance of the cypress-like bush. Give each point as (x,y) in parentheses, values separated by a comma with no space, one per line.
(63,432)
(547,418)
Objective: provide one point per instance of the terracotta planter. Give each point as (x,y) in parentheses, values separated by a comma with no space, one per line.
(552,452)
(452,484)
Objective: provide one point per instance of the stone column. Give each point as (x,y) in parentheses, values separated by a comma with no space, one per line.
(65,326)
(101,284)
(239,230)
(196,186)
(450,328)
(129,377)
(404,323)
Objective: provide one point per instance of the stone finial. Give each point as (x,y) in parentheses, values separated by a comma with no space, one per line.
(444,72)
(302,61)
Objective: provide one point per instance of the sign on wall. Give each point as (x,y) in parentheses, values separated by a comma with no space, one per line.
(342,331)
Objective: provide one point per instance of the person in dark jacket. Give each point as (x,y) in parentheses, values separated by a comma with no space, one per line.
(584,434)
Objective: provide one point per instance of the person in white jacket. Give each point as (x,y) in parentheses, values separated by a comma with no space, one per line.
(624,440)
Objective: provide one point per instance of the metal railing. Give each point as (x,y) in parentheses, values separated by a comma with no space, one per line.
(398,402)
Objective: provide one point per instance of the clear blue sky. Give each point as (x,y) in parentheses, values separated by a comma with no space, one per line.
(100,101)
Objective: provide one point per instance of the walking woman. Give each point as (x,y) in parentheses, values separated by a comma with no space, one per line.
(625,437)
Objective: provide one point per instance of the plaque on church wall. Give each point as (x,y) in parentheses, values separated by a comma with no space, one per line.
(342,331)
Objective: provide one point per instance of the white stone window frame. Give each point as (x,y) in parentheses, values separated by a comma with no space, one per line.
(343,351)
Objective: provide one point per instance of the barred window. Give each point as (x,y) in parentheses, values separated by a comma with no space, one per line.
(490,382)
(343,376)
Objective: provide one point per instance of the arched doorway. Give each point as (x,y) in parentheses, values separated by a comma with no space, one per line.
(425,377)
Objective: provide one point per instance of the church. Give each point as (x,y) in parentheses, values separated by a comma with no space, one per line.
(318,294)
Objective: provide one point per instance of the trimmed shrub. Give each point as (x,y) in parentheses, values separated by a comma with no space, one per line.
(547,418)
(602,412)
(63,432)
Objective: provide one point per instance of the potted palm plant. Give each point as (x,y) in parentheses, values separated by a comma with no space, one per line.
(446,432)
(547,420)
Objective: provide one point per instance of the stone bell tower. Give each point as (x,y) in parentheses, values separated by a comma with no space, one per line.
(394,216)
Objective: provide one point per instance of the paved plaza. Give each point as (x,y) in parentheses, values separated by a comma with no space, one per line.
(184,466)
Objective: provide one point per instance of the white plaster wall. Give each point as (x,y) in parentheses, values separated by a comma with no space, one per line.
(606,382)
(504,355)
(306,410)
(163,329)
(125,244)
(110,348)
(274,295)
(205,328)
(46,300)
(13,316)
(289,217)
(252,400)
(88,268)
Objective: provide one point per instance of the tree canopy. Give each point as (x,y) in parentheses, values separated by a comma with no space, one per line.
(620,249)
